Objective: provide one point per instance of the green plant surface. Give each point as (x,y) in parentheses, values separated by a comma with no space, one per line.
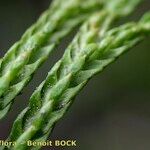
(89,53)
(25,57)
(20,63)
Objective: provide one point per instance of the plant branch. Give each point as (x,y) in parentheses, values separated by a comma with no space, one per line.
(27,55)
(88,54)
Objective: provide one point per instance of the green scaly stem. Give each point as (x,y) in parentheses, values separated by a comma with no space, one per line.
(89,53)
(27,55)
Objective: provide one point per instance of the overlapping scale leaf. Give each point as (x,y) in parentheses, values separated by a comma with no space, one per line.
(25,57)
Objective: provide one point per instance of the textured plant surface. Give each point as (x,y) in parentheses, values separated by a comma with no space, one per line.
(89,53)
(22,60)
(92,49)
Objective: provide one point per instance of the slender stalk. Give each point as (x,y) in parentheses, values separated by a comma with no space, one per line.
(89,53)
(20,63)
(26,56)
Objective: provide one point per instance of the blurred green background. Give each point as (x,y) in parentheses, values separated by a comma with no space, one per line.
(113,110)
